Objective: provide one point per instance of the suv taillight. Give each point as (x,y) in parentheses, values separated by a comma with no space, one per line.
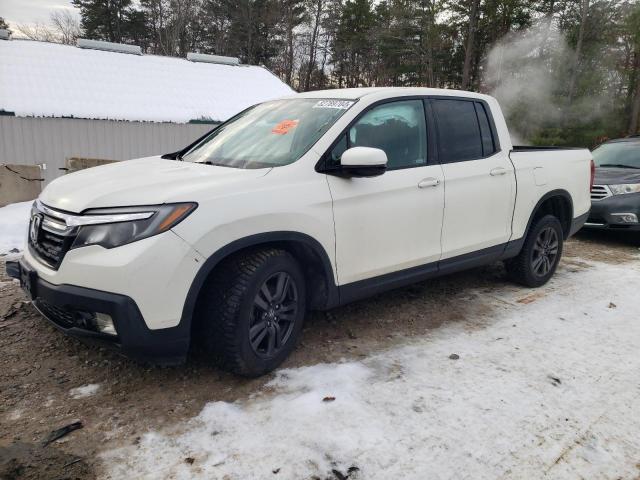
(593,175)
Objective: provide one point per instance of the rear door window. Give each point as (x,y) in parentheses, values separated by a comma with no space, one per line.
(459,136)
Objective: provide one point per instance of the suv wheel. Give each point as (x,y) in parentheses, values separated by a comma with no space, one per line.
(252,310)
(539,257)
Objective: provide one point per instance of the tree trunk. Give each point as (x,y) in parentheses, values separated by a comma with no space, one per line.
(584,12)
(471,39)
(288,75)
(312,47)
(323,64)
(428,47)
(549,20)
(634,126)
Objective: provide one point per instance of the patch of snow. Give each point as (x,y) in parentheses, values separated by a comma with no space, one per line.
(50,80)
(14,221)
(14,415)
(543,388)
(84,391)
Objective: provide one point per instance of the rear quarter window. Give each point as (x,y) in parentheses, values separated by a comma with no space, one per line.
(488,145)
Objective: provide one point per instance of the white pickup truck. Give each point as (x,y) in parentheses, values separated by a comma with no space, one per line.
(307,202)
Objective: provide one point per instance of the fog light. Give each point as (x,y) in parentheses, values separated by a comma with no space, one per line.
(625,217)
(104,324)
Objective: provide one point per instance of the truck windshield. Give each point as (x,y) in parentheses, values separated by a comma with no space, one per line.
(618,154)
(271,134)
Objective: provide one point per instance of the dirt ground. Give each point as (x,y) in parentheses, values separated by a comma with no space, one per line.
(39,366)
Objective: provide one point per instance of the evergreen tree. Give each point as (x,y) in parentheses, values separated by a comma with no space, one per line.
(352,45)
(111,20)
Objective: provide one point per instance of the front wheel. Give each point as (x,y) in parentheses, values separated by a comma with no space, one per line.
(539,257)
(252,310)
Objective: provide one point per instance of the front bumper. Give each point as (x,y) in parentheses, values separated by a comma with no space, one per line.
(72,309)
(603,212)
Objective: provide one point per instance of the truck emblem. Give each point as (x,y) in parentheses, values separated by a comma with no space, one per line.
(34,228)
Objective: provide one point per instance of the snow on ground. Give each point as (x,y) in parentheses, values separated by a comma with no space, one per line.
(84,391)
(14,221)
(547,385)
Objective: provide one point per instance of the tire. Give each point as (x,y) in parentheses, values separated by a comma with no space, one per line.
(537,261)
(234,306)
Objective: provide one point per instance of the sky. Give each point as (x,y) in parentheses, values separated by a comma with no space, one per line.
(30,12)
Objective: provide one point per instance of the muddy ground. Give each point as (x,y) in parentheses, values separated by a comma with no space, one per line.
(39,366)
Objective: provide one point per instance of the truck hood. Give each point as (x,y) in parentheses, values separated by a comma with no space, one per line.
(145,181)
(616,176)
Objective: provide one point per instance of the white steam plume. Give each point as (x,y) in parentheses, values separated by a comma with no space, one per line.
(528,72)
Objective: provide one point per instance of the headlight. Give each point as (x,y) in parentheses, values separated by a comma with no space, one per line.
(130,224)
(625,188)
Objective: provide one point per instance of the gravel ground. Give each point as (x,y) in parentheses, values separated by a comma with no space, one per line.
(48,381)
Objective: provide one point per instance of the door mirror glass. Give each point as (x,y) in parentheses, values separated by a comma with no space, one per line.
(363,162)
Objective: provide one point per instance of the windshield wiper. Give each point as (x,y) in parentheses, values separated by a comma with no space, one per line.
(172,156)
(217,164)
(618,165)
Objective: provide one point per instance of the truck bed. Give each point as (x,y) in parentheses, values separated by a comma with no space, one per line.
(542,170)
(527,148)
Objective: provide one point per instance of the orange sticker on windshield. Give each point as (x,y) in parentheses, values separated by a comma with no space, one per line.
(284,127)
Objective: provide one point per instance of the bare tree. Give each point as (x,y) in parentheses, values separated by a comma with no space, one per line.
(37,31)
(317,8)
(63,28)
(66,26)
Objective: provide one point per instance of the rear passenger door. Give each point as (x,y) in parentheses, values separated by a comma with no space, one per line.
(479,177)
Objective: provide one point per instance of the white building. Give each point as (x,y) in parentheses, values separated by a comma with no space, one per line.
(59,101)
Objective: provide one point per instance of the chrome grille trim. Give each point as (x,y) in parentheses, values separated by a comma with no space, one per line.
(89,219)
(52,237)
(600,192)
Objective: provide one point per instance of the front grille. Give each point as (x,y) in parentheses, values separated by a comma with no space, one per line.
(65,317)
(49,240)
(600,192)
(50,248)
(61,316)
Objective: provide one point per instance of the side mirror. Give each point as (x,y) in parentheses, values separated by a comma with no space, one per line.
(363,162)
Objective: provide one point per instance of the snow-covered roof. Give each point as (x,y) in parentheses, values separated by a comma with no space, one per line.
(49,80)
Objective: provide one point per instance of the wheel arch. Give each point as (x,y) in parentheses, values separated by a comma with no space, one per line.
(557,202)
(315,262)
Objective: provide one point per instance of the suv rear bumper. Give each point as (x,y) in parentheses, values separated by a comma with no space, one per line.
(72,310)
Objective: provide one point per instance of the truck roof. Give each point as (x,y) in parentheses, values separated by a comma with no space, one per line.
(356,93)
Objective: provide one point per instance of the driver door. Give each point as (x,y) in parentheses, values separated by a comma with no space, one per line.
(391,222)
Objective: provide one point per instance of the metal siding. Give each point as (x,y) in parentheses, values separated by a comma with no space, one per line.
(32,141)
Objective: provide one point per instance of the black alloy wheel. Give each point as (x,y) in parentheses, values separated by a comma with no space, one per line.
(251,311)
(539,257)
(544,252)
(275,309)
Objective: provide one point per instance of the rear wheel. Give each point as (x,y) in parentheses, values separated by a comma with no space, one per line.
(252,310)
(539,257)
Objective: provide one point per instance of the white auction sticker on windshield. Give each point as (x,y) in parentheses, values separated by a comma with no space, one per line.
(339,104)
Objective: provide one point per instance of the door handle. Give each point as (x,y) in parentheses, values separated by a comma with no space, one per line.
(429,182)
(497,171)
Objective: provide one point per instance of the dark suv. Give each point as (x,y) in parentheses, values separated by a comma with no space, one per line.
(615,196)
